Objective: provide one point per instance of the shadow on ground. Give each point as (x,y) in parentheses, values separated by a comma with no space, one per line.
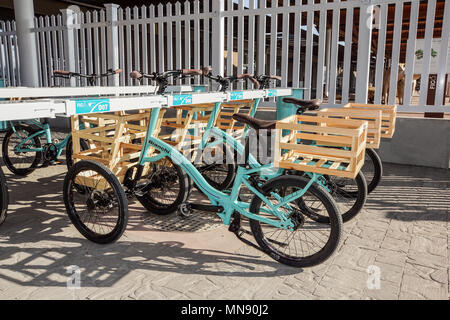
(412,193)
(38,243)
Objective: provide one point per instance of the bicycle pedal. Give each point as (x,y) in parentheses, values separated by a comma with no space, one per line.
(185,210)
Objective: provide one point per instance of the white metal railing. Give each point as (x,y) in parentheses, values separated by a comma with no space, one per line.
(330,48)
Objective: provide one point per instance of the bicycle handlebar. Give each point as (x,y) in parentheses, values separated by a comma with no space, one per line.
(225,82)
(249,77)
(90,77)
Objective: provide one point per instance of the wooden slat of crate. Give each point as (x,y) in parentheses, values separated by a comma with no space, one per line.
(388,118)
(112,137)
(321,159)
(373,117)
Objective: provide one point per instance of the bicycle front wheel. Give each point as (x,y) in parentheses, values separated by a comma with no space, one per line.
(311,242)
(21,163)
(95,202)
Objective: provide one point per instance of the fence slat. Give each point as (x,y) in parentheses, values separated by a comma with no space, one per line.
(2,56)
(152,29)
(206,35)
(411,52)
(251,42)
(334,56)
(261,39)
(230,39)
(196,32)
(169,37)
(136,44)
(347,55)
(381,49)
(285,47)
(395,53)
(321,56)
(83,51)
(309,47)
(16,55)
(121,48)
(187,40)
(240,42)
(178,57)
(273,40)
(297,42)
(443,52)
(43,54)
(161,59)
(427,52)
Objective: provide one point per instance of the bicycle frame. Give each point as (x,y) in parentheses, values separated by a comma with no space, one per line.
(45,130)
(229,202)
(267,171)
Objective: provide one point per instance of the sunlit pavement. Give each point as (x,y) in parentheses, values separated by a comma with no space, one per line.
(401,238)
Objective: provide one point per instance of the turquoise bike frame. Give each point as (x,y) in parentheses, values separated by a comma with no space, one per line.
(45,130)
(267,171)
(229,202)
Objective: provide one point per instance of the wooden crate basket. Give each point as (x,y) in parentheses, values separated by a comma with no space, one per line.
(321,145)
(373,117)
(388,118)
(114,140)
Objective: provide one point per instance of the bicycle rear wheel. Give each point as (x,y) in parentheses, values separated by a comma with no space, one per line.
(217,166)
(349,194)
(166,187)
(95,202)
(69,151)
(21,163)
(372,169)
(4,197)
(311,242)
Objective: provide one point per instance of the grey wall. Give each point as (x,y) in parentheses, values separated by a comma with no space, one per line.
(420,142)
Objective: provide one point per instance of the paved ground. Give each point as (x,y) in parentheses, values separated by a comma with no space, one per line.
(403,233)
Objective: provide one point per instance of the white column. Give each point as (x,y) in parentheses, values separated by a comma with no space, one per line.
(70,23)
(112,34)
(218,36)
(26,40)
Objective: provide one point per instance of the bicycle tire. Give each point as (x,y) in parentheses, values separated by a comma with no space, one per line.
(157,206)
(226,170)
(373,181)
(117,190)
(359,196)
(69,151)
(320,193)
(7,158)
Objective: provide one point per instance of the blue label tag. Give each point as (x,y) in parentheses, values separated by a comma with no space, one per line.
(272,93)
(237,95)
(92,106)
(182,99)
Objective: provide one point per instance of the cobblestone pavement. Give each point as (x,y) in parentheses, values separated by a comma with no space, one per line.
(404,231)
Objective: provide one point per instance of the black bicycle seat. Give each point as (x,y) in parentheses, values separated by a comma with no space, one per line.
(304,104)
(254,123)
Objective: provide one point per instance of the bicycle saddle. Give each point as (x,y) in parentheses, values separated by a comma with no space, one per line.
(304,104)
(254,123)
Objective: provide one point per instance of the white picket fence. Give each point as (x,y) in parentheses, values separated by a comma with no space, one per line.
(290,39)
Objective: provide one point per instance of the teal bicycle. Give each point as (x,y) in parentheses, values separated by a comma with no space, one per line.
(350,194)
(23,148)
(284,213)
